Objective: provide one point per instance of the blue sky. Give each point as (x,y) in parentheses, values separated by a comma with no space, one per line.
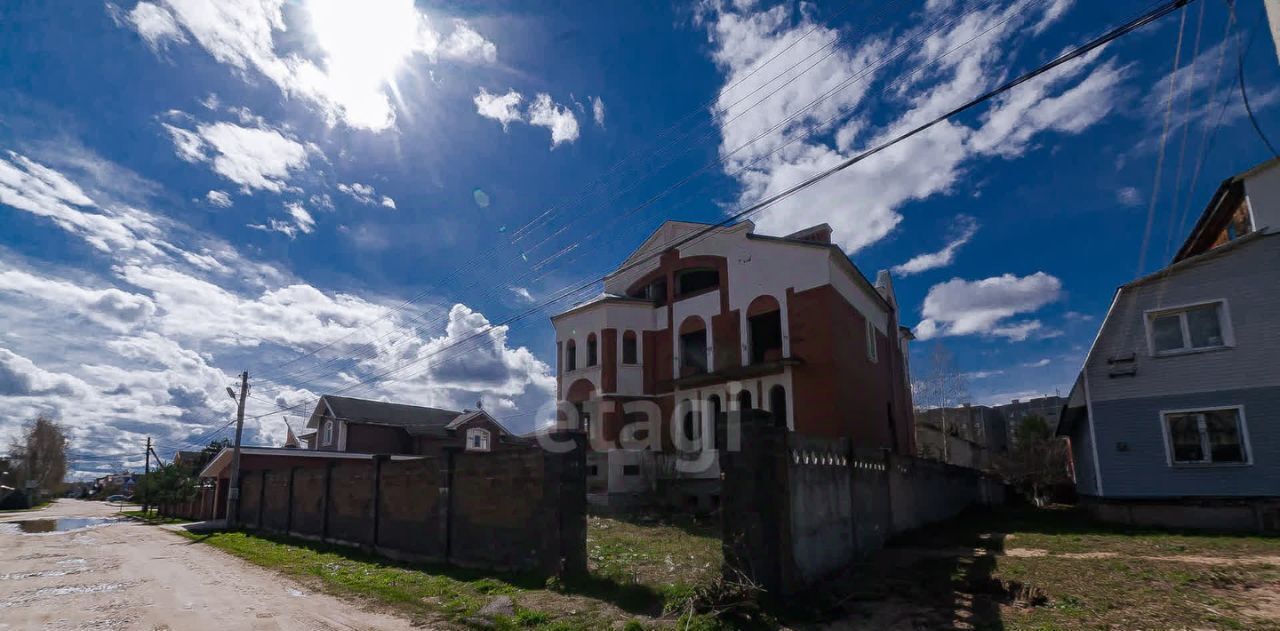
(329,193)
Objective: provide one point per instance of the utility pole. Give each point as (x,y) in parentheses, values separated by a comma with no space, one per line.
(233,492)
(146,481)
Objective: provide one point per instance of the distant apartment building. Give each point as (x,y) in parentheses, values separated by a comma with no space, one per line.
(1014,413)
(702,320)
(1175,416)
(971,436)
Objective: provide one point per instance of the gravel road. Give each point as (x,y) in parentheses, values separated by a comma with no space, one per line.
(126,575)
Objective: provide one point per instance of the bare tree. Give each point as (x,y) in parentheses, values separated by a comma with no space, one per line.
(40,455)
(944,388)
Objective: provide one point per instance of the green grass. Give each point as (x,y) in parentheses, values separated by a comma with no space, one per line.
(664,559)
(151,517)
(1041,569)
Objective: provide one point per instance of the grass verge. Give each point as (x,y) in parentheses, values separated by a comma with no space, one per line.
(152,517)
(662,561)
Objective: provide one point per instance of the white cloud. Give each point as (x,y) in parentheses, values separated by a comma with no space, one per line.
(965,228)
(156,25)
(359,48)
(388,202)
(597,110)
(1037,364)
(218,198)
(503,108)
(115,309)
(1129,196)
(982,374)
(961,307)
(299,221)
(523,293)
(558,118)
(465,44)
(770,142)
(253,157)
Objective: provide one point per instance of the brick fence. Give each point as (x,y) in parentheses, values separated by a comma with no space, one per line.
(798,508)
(521,510)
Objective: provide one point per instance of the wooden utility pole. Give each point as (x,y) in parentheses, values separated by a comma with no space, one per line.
(233,492)
(146,482)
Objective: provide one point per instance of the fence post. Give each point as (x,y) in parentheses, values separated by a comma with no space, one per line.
(446,501)
(288,509)
(755,504)
(568,473)
(324,501)
(377,496)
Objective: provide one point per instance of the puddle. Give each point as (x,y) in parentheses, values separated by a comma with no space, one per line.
(61,524)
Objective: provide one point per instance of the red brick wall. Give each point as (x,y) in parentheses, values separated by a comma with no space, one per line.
(838,390)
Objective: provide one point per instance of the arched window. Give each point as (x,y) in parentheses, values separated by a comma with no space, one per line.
(764,324)
(477,439)
(744,400)
(629,348)
(693,346)
(778,405)
(328,433)
(570,356)
(592,354)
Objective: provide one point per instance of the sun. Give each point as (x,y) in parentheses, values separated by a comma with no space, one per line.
(364,44)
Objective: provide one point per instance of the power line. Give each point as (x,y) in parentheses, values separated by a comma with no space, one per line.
(902,48)
(1066,57)
(1244,94)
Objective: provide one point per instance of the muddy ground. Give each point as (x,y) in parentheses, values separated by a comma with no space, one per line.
(126,575)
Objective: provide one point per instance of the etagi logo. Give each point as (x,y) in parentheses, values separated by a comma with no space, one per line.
(690,432)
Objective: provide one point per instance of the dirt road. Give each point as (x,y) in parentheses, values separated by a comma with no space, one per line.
(126,575)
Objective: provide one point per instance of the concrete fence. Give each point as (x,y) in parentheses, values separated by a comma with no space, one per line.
(798,508)
(521,510)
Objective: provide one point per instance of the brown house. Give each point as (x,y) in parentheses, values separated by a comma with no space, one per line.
(345,424)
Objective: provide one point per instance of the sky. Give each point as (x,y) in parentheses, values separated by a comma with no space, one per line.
(387,199)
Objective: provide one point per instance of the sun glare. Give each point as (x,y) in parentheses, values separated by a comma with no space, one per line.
(364,45)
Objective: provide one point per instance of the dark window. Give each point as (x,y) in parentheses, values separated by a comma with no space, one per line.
(766,337)
(591,349)
(744,400)
(714,402)
(695,280)
(630,469)
(1211,436)
(629,348)
(570,356)
(593,470)
(778,405)
(693,351)
(655,291)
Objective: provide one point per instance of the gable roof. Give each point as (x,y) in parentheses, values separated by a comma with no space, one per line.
(415,419)
(471,415)
(1218,212)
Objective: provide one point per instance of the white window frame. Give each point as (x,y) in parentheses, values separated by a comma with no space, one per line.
(1244,437)
(872,353)
(1224,324)
(328,432)
(480,432)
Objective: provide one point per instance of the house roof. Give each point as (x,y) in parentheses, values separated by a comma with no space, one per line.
(415,419)
(1218,211)
(222,461)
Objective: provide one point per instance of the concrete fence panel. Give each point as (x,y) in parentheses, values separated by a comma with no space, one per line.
(350,505)
(409,507)
(276,501)
(308,502)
